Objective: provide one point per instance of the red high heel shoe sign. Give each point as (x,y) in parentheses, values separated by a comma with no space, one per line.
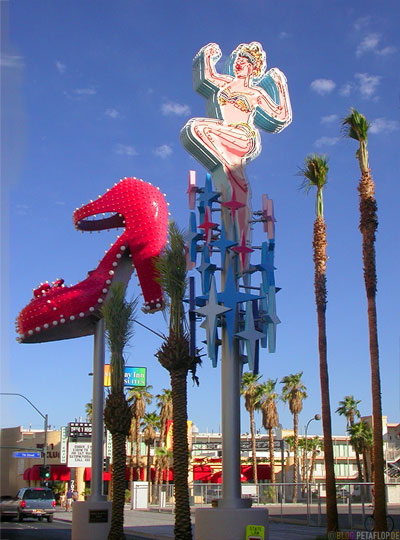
(58,312)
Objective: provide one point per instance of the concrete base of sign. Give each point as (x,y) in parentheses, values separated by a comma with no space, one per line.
(91,520)
(228,523)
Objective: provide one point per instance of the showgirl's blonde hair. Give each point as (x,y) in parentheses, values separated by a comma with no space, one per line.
(255,54)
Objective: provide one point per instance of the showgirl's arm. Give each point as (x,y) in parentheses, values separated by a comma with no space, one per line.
(206,80)
(274,110)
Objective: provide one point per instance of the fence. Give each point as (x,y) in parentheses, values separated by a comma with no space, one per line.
(354,500)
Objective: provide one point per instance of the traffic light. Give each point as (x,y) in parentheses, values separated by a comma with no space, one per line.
(44,472)
(106,464)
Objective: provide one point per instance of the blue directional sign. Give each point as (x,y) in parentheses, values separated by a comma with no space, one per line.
(27,455)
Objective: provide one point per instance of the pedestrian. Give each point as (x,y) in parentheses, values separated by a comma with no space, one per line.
(75,496)
(68,500)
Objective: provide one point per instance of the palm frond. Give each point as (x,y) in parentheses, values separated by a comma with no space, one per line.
(355,126)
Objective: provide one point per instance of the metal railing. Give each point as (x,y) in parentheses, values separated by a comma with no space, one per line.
(354,500)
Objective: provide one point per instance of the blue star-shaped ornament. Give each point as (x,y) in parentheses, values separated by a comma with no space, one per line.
(272,319)
(211,311)
(250,335)
(223,244)
(207,196)
(230,298)
(192,237)
(206,269)
(267,264)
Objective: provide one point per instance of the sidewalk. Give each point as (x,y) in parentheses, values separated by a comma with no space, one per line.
(146,524)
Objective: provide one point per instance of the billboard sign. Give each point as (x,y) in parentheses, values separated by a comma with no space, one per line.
(80,429)
(79,454)
(133,376)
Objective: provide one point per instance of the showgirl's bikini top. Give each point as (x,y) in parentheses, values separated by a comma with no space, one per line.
(237,100)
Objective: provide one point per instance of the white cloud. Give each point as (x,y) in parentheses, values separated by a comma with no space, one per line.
(322,86)
(386,50)
(175,108)
(60,67)
(383,124)
(283,35)
(326,141)
(85,91)
(163,151)
(369,43)
(11,60)
(362,22)
(367,84)
(330,119)
(112,113)
(125,150)
(346,89)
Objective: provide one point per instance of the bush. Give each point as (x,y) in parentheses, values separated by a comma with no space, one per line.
(127,496)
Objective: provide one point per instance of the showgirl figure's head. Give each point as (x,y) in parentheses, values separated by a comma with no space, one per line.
(248,59)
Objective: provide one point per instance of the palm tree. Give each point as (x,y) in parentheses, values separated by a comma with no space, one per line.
(293,393)
(348,408)
(314,174)
(164,401)
(356,127)
(361,439)
(270,420)
(138,396)
(119,316)
(174,355)
(315,445)
(252,391)
(88,411)
(151,421)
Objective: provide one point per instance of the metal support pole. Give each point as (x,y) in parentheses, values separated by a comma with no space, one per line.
(45,441)
(230,393)
(96,484)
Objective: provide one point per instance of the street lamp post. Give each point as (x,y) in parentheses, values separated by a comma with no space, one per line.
(44,416)
(315,417)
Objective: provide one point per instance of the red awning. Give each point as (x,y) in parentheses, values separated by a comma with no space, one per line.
(263,471)
(216,478)
(60,473)
(202,472)
(87,475)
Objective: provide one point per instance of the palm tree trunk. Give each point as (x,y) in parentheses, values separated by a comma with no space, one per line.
(137,437)
(183,527)
(368,226)
(295,456)
(253,446)
(303,470)
(118,483)
(272,461)
(320,258)
(148,472)
(131,460)
(311,475)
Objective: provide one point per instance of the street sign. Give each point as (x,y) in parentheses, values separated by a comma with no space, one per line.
(133,376)
(255,532)
(27,455)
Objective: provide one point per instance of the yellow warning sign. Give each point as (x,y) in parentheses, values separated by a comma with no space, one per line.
(255,532)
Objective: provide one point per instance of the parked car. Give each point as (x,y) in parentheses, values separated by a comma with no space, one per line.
(30,502)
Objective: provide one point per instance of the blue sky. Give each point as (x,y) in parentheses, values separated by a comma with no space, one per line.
(96,91)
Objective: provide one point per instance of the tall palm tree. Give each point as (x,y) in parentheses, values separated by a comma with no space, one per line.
(314,175)
(252,391)
(361,439)
(89,411)
(138,397)
(174,355)
(151,421)
(348,408)
(293,393)
(164,402)
(315,445)
(119,315)
(270,420)
(356,127)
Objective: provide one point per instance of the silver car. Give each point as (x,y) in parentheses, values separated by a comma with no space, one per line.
(30,502)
